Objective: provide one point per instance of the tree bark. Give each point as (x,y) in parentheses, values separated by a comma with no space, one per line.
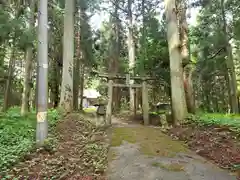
(54,84)
(131,53)
(7,90)
(230,65)
(76,69)
(188,87)
(66,99)
(188,69)
(81,85)
(114,54)
(28,67)
(143,54)
(177,88)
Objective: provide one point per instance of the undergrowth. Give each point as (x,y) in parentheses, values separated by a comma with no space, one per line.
(17,134)
(217,119)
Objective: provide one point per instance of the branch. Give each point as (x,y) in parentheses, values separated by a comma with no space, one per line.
(216,53)
(117,5)
(219,50)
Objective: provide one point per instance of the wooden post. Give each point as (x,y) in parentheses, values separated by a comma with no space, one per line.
(135,102)
(109,105)
(127,79)
(145,105)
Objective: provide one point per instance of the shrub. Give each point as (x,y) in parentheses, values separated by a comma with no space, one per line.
(217,119)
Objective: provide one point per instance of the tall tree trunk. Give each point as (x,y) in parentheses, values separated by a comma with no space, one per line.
(76,69)
(188,87)
(114,53)
(131,52)
(143,52)
(32,97)
(55,76)
(85,46)
(177,88)
(9,80)
(188,69)
(81,85)
(66,100)
(230,64)
(28,66)
(143,39)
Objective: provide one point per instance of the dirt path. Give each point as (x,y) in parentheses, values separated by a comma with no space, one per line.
(144,153)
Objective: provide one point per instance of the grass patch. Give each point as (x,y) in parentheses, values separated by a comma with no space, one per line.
(17,134)
(176,167)
(152,141)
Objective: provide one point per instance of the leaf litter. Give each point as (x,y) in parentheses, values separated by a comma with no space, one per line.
(80,153)
(218,144)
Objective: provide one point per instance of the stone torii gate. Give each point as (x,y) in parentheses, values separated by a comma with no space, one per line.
(128,78)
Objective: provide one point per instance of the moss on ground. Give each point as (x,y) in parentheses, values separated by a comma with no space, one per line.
(152,141)
(169,167)
(120,134)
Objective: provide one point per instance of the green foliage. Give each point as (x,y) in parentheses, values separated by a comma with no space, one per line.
(13,27)
(207,41)
(53,117)
(216,119)
(153,53)
(4,26)
(17,134)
